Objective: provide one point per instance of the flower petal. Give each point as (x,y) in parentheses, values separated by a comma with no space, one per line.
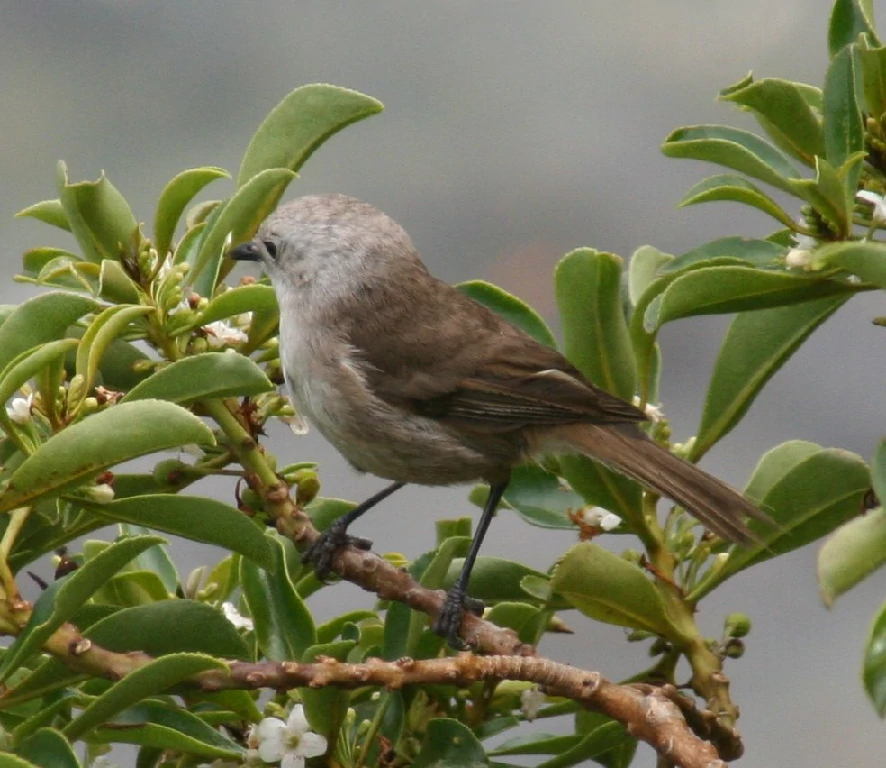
(292,760)
(271,734)
(311,745)
(297,723)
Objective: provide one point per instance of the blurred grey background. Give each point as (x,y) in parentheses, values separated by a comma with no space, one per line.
(514,131)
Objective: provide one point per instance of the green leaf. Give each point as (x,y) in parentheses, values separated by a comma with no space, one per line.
(298,125)
(39,320)
(325,708)
(284,628)
(99,216)
(62,599)
(156,677)
(237,301)
(853,553)
(493,579)
(540,498)
(11,761)
(726,251)
(173,200)
(242,212)
(873,65)
(116,286)
(865,258)
(723,290)
(449,744)
(110,324)
(34,261)
(732,148)
(118,368)
(158,724)
(849,19)
(48,748)
(756,345)
(830,193)
(595,334)
(515,311)
(607,588)
(109,437)
(843,124)
(601,486)
(536,744)
(203,376)
(643,269)
(874,672)
(810,493)
(30,363)
(196,518)
(737,189)
(783,113)
(49,212)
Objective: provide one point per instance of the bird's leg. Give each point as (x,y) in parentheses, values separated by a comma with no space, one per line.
(448,621)
(320,553)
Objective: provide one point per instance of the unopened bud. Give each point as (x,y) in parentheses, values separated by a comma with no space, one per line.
(737,625)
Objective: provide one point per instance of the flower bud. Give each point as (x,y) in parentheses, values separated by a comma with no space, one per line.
(737,625)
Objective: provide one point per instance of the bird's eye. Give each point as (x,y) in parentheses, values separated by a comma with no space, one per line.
(271,248)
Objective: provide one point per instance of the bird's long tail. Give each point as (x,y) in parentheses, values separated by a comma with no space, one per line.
(626,449)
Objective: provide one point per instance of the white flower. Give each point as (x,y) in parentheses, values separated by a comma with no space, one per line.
(220,333)
(183,306)
(878,215)
(653,412)
(101,493)
(600,518)
(289,743)
(19,410)
(234,616)
(165,268)
(800,256)
(530,702)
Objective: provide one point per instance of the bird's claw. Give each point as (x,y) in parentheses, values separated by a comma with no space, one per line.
(321,553)
(452,613)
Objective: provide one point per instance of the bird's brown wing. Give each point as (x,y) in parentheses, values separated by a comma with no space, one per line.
(456,361)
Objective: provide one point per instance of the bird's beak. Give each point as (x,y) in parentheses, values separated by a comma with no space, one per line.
(248,251)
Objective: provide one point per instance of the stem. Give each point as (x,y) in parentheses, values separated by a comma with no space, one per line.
(17,519)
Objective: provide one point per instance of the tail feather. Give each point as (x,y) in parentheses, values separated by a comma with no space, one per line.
(627,450)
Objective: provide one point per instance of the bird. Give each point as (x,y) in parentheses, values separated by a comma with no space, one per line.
(414,382)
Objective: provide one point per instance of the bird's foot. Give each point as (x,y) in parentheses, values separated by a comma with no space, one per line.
(452,612)
(320,554)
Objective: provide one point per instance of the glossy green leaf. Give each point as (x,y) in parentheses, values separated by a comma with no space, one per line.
(175,197)
(154,559)
(158,724)
(47,748)
(595,335)
(540,498)
(873,65)
(203,376)
(109,324)
(196,518)
(109,437)
(726,251)
(332,629)
(863,258)
(732,148)
(756,345)
(783,113)
(737,189)
(120,369)
(849,19)
(99,216)
(536,744)
(843,124)
(493,578)
(284,628)
(723,290)
(874,672)
(49,212)
(829,193)
(298,125)
(117,286)
(242,212)
(327,707)
(449,744)
(61,600)
(30,363)
(155,677)
(39,320)
(515,311)
(188,247)
(818,492)
(851,554)
(643,269)
(34,261)
(609,589)
(237,301)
